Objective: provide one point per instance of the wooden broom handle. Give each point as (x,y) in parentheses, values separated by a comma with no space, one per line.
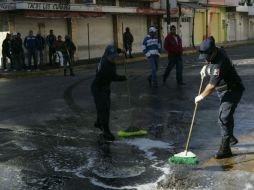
(193,117)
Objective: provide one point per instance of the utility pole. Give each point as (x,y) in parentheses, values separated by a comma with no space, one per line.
(206,18)
(168,15)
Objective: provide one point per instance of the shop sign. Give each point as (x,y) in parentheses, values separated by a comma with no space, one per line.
(48,6)
(7,6)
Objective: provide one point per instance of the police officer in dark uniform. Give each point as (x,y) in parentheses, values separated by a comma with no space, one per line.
(105,74)
(225,80)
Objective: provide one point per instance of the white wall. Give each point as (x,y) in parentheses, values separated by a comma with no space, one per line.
(138,28)
(101,34)
(251,28)
(24,24)
(241,26)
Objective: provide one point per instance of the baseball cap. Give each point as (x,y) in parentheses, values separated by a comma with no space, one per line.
(205,47)
(152,29)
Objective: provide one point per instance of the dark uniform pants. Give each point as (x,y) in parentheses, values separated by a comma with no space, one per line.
(228,103)
(175,61)
(102,102)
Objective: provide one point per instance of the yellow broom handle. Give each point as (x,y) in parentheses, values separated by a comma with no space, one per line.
(193,117)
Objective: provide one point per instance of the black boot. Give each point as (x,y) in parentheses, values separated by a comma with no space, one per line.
(149,78)
(64,72)
(71,72)
(107,134)
(164,79)
(224,151)
(233,140)
(97,125)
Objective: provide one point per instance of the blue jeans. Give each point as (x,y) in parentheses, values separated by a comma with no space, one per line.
(172,61)
(153,62)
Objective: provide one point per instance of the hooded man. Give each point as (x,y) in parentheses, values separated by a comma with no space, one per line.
(105,74)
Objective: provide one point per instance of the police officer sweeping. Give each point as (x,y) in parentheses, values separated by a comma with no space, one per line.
(105,74)
(225,80)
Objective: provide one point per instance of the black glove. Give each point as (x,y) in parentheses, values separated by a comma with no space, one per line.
(119,50)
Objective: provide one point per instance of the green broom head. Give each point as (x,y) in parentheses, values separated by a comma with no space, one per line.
(185,157)
(132,132)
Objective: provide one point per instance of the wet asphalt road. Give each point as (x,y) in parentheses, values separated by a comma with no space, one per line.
(48,140)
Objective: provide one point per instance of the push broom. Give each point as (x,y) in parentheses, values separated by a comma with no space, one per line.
(187,157)
(132,130)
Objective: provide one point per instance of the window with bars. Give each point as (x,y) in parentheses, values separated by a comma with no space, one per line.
(134,3)
(186,19)
(105,2)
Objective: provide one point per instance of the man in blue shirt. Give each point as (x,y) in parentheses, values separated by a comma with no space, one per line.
(31,44)
(151,48)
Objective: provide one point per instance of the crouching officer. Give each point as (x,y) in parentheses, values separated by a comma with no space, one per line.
(225,80)
(105,74)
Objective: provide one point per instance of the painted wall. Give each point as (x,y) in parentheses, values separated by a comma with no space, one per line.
(138,28)
(199,27)
(242,26)
(231,26)
(217,23)
(251,28)
(100,35)
(23,25)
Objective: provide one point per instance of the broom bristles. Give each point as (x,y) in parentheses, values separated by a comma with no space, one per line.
(184,158)
(132,133)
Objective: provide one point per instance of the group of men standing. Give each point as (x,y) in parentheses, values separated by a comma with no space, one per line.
(12,48)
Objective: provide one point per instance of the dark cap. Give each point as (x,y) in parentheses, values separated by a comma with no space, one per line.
(111,51)
(206,47)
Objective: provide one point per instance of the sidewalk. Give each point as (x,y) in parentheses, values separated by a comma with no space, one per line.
(84,64)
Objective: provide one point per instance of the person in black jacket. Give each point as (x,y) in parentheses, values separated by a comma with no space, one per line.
(225,80)
(105,74)
(16,52)
(50,39)
(127,41)
(68,51)
(6,50)
(40,48)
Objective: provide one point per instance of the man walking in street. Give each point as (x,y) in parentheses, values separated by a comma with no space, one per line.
(50,39)
(173,46)
(151,48)
(6,50)
(127,41)
(225,80)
